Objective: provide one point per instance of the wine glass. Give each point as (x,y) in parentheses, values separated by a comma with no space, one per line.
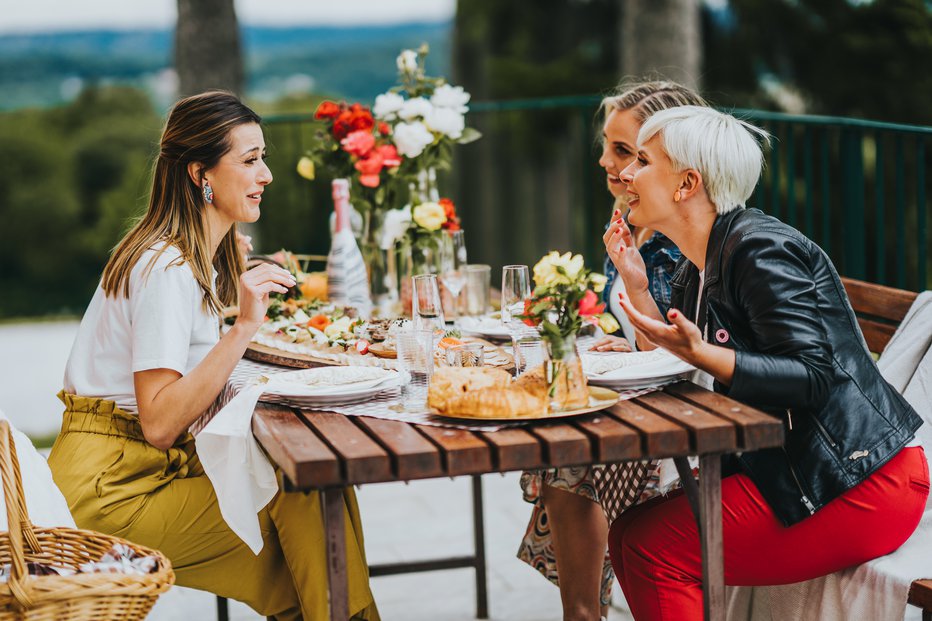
(453,265)
(426,307)
(516,289)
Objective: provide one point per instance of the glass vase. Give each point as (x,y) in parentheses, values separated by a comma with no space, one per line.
(381,265)
(565,376)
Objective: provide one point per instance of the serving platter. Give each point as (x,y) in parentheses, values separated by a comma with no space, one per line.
(271,355)
(599,399)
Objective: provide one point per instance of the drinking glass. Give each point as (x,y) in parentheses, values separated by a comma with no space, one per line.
(466,355)
(426,306)
(529,352)
(452,265)
(415,351)
(516,289)
(478,281)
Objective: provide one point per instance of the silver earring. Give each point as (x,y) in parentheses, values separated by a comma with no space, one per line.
(208,192)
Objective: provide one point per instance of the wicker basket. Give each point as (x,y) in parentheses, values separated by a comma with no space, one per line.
(65,598)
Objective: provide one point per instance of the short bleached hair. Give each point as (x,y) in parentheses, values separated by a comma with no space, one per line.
(726,151)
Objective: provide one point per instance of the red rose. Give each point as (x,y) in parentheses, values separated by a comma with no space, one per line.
(384,129)
(389,154)
(449,209)
(527,311)
(327,110)
(360,117)
(589,304)
(369,169)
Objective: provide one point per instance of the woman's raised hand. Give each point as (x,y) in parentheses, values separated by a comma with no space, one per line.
(680,337)
(255,286)
(624,253)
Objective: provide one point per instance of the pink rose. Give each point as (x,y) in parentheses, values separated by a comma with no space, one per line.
(358,143)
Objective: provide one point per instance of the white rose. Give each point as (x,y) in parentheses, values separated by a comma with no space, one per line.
(413,108)
(447,96)
(446,121)
(411,138)
(407,61)
(394,226)
(386,105)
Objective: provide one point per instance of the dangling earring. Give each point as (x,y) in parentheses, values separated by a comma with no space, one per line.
(676,196)
(208,192)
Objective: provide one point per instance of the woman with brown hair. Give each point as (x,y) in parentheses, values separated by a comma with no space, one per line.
(567,534)
(149,360)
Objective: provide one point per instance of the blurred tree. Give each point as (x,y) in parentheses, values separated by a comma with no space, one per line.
(207,47)
(661,37)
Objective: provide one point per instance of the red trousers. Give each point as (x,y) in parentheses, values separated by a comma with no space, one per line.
(655,546)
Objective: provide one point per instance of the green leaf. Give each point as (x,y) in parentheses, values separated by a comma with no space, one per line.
(469,135)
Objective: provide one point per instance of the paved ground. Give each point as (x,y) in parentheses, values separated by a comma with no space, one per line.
(403,522)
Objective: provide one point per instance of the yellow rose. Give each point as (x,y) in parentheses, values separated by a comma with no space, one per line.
(598,282)
(547,275)
(430,216)
(306,168)
(545,272)
(608,323)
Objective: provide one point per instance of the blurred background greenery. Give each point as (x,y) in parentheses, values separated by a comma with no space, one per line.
(82,112)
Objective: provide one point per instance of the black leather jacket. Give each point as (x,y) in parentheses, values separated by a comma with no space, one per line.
(774,297)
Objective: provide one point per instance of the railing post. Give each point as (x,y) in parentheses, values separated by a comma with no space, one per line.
(853,203)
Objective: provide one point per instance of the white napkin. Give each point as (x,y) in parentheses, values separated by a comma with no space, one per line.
(243,479)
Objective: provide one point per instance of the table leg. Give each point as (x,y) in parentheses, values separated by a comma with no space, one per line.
(336,553)
(710,534)
(478,529)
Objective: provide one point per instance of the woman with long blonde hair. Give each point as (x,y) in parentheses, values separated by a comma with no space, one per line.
(149,360)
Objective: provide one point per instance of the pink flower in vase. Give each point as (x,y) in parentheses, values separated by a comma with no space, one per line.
(358,143)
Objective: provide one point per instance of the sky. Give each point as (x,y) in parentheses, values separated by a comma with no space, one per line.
(18,16)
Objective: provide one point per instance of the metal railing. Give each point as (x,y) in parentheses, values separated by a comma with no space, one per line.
(532,184)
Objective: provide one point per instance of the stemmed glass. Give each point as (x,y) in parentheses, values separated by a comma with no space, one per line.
(453,266)
(516,289)
(426,306)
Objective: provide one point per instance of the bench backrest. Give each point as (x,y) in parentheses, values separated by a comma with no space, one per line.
(879,309)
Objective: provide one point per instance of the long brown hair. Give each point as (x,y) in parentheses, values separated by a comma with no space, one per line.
(197,131)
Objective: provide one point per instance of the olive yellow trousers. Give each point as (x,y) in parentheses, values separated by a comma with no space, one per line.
(117,483)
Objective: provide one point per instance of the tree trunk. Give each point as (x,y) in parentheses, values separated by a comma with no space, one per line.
(662,38)
(208,54)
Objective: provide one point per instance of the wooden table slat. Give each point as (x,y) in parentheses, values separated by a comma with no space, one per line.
(660,437)
(562,444)
(364,460)
(708,433)
(303,457)
(413,456)
(755,428)
(513,449)
(612,441)
(463,452)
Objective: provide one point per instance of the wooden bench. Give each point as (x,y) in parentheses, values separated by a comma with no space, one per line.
(880,310)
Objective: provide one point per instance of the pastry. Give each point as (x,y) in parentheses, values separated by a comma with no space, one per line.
(511,402)
(453,382)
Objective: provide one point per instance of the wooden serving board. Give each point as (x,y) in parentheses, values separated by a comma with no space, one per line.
(271,355)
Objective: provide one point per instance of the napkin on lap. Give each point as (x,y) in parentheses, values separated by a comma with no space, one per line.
(243,479)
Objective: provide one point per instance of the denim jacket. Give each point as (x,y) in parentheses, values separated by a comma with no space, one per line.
(660,256)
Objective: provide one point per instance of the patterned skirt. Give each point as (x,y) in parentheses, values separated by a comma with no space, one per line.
(615,487)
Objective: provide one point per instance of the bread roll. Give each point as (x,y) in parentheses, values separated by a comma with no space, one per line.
(452,382)
(512,402)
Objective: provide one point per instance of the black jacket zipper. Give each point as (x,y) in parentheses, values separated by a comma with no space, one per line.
(803,497)
(824,432)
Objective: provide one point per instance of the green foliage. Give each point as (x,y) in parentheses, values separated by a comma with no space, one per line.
(70,181)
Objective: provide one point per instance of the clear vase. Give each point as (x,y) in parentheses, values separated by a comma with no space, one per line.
(381,265)
(565,375)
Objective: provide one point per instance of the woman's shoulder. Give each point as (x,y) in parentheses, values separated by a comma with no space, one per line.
(162,260)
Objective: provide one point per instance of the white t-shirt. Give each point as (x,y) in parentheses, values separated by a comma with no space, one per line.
(162,325)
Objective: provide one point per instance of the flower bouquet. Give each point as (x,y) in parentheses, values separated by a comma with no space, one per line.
(565,297)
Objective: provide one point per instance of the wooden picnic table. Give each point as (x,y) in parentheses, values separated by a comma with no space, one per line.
(327,452)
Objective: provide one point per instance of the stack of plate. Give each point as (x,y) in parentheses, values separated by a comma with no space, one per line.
(325,386)
(632,370)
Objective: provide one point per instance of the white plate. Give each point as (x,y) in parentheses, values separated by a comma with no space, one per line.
(302,383)
(489,327)
(656,370)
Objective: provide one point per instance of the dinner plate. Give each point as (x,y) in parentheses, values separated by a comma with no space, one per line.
(294,384)
(487,326)
(599,399)
(658,369)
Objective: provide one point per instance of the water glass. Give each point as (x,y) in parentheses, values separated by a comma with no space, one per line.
(529,351)
(415,350)
(478,282)
(466,355)
(516,288)
(426,306)
(453,265)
